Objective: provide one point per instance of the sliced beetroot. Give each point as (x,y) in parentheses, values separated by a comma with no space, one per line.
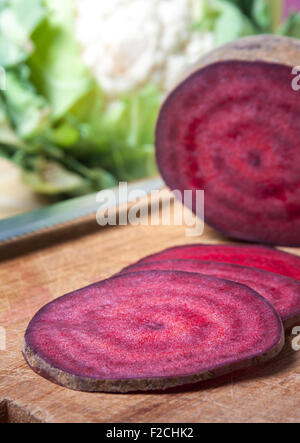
(232,129)
(151,330)
(268,259)
(282,292)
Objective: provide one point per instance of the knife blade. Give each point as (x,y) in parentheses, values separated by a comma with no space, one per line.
(68,211)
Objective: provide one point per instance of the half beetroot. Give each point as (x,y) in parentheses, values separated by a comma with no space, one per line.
(282,292)
(232,129)
(268,259)
(151,330)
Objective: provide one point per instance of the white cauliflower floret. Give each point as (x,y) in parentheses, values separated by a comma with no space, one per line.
(129,43)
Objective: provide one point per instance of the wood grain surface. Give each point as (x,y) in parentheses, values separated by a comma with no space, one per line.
(268,393)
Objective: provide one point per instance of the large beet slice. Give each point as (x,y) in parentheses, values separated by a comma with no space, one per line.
(282,292)
(151,330)
(232,128)
(268,259)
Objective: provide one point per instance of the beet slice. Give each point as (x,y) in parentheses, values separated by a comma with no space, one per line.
(232,128)
(262,257)
(151,330)
(282,292)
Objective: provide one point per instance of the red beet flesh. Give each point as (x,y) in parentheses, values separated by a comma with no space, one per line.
(151,330)
(232,129)
(261,257)
(282,292)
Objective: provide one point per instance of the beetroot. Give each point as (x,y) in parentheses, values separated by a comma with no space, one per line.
(261,257)
(232,128)
(151,330)
(282,292)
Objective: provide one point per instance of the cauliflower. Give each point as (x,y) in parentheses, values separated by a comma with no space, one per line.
(129,43)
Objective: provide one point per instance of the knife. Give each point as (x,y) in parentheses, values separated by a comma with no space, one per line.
(69,211)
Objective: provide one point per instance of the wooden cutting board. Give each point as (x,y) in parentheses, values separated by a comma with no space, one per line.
(269,393)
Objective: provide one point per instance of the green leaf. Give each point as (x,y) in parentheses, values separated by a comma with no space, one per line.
(232,24)
(57,69)
(245,6)
(261,15)
(100,179)
(64,135)
(28,111)
(205,14)
(225,19)
(133,164)
(118,137)
(51,178)
(291,28)
(264,14)
(29,13)
(18,19)
(7,133)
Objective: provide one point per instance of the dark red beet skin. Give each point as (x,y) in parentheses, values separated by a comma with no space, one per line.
(151,330)
(282,292)
(232,129)
(268,259)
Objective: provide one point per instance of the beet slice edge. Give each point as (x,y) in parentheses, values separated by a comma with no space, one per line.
(257,256)
(151,330)
(282,292)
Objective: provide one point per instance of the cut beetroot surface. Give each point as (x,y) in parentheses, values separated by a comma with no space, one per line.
(268,259)
(282,292)
(151,330)
(232,129)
